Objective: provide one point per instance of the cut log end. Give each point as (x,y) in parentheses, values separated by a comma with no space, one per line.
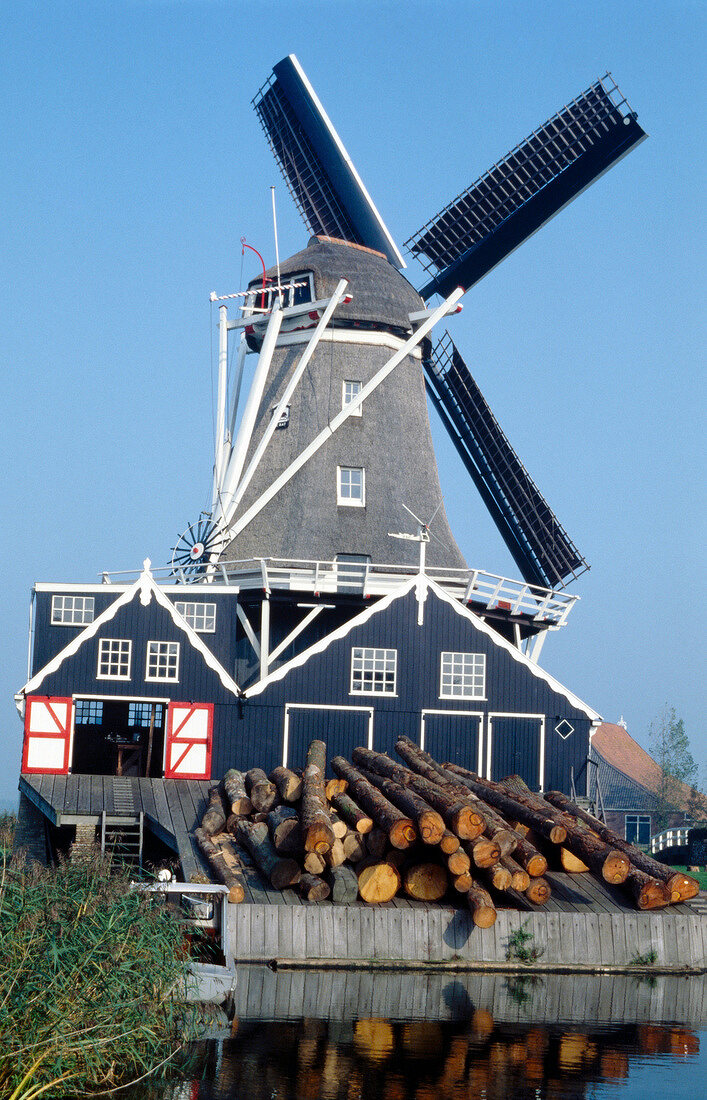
(684,886)
(539,891)
(378,883)
(426,882)
(616,867)
(483,910)
(402,833)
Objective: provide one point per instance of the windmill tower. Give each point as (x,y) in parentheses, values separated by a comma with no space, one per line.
(334,438)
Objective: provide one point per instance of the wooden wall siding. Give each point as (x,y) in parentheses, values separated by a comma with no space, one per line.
(260,932)
(511,686)
(50,640)
(340,994)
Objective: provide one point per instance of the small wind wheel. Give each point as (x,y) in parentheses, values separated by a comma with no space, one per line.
(195,547)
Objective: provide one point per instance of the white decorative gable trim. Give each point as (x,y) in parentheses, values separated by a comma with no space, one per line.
(422,586)
(147,590)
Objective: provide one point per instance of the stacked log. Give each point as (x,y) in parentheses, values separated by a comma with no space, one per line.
(430,830)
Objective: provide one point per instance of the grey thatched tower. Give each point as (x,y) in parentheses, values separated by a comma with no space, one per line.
(349,495)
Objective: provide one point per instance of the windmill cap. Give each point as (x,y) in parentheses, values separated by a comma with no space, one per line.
(380,293)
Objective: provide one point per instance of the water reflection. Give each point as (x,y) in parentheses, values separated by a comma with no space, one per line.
(477,1036)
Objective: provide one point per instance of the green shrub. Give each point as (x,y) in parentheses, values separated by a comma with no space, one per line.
(86,970)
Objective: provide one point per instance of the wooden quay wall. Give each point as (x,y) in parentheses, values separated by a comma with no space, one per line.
(413,935)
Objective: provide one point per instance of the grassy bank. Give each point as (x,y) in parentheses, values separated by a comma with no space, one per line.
(86,967)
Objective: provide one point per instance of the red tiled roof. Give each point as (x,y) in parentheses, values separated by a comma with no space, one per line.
(618,748)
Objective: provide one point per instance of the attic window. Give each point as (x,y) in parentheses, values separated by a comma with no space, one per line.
(463,676)
(162,661)
(72,610)
(114,658)
(200,616)
(373,671)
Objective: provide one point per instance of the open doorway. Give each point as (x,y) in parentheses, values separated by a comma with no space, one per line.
(118,737)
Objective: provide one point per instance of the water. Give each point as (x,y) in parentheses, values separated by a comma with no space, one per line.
(390,1036)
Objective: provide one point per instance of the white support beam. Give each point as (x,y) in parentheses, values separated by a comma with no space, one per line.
(264,637)
(517,638)
(220,401)
(342,416)
(235,399)
(535,646)
(232,504)
(295,633)
(248,630)
(240,448)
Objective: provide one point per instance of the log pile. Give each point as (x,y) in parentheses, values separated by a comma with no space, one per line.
(420,829)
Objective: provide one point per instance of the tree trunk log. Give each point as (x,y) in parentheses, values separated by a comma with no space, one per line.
(214,819)
(338,826)
(497,876)
(229,876)
(463,883)
(285,832)
(336,854)
(354,847)
(482,908)
(378,883)
(400,829)
(430,824)
(280,872)
(377,843)
(263,793)
(530,859)
(520,879)
(314,815)
(313,863)
(460,815)
(288,783)
(512,809)
(425,881)
(344,885)
(316,754)
(313,888)
(458,862)
(234,786)
(539,891)
(352,814)
(450,842)
(681,886)
(647,892)
(335,787)
(571,863)
(483,852)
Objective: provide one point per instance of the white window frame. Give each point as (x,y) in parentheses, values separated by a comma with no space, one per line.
(154,678)
(448,692)
(375,654)
(349,501)
(194,610)
(83,606)
(355,388)
(106,647)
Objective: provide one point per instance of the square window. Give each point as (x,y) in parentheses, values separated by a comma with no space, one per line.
(351,488)
(140,714)
(114,658)
(463,676)
(88,712)
(200,616)
(349,390)
(72,610)
(162,661)
(373,671)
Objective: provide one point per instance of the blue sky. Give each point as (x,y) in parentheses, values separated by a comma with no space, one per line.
(132,164)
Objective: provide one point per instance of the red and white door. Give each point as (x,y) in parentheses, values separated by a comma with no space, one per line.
(47,735)
(188,743)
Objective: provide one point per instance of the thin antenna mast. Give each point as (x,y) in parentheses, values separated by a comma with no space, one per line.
(277,250)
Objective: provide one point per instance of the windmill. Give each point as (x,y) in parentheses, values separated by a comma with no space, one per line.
(309,317)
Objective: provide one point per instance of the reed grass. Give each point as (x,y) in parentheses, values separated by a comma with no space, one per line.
(87,968)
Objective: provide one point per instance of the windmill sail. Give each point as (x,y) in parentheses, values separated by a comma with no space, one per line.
(525,189)
(319,173)
(539,544)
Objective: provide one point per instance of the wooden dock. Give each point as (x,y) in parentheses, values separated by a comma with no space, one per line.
(172,808)
(586,924)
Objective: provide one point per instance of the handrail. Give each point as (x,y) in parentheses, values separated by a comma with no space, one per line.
(544,606)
